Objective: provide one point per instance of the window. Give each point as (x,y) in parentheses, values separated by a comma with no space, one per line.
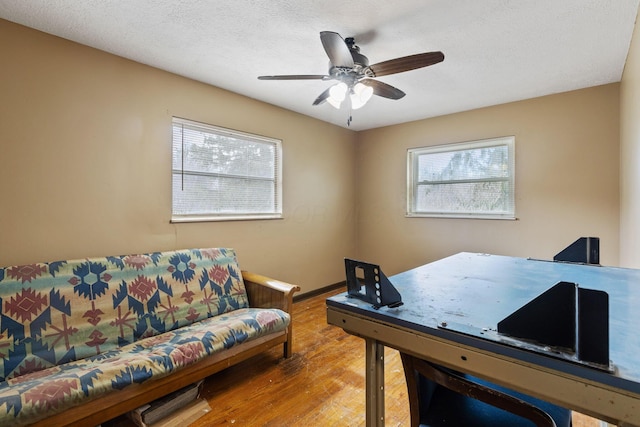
(222,174)
(471,180)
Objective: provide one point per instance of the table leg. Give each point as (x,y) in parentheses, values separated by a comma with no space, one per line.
(375,383)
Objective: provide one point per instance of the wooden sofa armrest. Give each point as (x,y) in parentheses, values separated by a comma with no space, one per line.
(265,292)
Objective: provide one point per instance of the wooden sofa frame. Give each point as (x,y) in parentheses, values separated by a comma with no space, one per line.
(262,291)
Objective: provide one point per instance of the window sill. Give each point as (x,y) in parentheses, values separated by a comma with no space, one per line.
(460,216)
(218,218)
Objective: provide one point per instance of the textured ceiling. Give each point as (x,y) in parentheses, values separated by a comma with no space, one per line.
(496,51)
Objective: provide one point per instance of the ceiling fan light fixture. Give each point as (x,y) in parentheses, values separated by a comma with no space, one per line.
(360,95)
(338,92)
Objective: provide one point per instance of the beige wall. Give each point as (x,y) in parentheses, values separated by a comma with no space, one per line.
(85,165)
(567,168)
(630,156)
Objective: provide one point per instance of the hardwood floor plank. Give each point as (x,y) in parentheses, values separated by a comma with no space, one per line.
(322,384)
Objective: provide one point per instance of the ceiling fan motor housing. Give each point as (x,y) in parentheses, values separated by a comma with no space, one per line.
(358,58)
(350,74)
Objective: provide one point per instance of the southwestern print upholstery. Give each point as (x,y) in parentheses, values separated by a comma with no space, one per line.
(96,325)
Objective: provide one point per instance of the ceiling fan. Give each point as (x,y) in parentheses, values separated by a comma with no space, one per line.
(354,75)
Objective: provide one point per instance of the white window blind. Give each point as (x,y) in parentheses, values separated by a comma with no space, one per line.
(222,174)
(471,179)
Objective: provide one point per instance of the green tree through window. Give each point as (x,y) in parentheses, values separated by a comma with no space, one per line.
(224,174)
(470,179)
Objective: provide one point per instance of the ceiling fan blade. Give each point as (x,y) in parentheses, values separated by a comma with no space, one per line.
(405,63)
(323,97)
(295,77)
(336,48)
(383,89)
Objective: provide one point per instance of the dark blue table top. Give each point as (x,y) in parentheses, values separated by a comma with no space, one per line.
(479,290)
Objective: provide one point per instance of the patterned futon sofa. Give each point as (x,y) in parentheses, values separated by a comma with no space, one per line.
(82,341)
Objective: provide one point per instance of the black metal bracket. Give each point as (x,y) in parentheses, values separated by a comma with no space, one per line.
(377,288)
(566,317)
(585,250)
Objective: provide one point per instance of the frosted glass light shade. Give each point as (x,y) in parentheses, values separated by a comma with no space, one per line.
(338,91)
(360,95)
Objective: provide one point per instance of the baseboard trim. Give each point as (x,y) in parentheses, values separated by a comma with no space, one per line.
(320,291)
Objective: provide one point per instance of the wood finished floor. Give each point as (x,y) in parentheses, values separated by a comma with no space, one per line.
(322,384)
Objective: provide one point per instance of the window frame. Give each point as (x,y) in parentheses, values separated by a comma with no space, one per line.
(413,155)
(226,216)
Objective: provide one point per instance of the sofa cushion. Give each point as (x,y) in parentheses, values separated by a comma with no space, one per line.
(27,398)
(57,312)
